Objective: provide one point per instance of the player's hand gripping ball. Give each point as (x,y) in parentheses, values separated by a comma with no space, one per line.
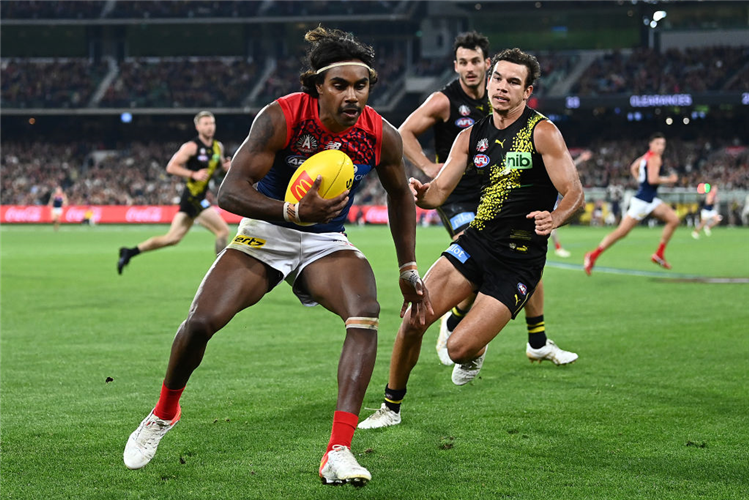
(337,172)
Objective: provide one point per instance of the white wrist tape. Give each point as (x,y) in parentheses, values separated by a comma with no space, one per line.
(410,273)
(291,212)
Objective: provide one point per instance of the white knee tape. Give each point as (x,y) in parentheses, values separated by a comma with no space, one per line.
(363,323)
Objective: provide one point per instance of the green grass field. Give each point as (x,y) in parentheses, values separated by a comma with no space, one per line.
(656,407)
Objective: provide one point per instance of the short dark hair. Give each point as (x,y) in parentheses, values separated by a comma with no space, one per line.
(471,40)
(517,56)
(331,46)
(656,135)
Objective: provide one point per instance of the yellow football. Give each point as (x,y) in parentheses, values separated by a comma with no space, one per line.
(336,169)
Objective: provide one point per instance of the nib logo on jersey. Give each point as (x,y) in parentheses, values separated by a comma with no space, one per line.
(518,160)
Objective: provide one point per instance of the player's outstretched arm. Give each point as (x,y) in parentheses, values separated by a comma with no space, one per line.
(435,109)
(563,174)
(176,165)
(440,187)
(253,160)
(402,217)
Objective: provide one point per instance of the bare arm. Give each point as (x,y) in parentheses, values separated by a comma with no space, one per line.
(253,160)
(176,165)
(563,174)
(435,109)
(402,218)
(433,194)
(654,168)
(225,160)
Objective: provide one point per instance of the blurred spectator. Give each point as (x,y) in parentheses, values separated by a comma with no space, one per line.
(63,83)
(181,82)
(37,9)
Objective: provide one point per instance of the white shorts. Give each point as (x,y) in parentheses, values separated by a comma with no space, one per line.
(708,214)
(639,209)
(56,211)
(287,250)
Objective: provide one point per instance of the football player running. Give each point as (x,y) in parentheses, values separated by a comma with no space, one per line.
(317,261)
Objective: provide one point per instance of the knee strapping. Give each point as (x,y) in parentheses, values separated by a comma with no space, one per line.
(363,323)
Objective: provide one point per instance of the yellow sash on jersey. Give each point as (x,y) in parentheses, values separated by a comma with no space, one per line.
(199,187)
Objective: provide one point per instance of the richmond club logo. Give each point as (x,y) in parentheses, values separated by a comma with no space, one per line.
(306,143)
(482,145)
(464,110)
(481,161)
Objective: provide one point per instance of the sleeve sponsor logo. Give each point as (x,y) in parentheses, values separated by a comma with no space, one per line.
(464,122)
(481,161)
(250,241)
(518,160)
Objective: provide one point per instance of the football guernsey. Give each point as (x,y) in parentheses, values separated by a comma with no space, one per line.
(464,112)
(305,136)
(208,157)
(514,183)
(645,191)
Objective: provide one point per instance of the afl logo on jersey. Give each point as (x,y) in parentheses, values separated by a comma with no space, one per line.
(295,161)
(481,161)
(464,110)
(464,122)
(201,155)
(306,144)
(482,145)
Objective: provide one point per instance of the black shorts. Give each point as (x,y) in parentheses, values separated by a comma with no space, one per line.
(508,279)
(192,205)
(457,216)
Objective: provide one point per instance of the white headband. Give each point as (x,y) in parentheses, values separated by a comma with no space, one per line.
(345,63)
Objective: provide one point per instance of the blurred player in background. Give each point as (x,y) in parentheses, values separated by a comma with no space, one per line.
(524,164)
(709,216)
(449,111)
(57,200)
(196,161)
(317,260)
(647,170)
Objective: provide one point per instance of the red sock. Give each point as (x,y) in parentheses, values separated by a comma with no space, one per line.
(557,245)
(168,405)
(344,424)
(595,253)
(661,249)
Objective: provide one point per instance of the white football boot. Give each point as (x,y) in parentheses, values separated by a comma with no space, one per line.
(442,341)
(561,252)
(339,466)
(142,444)
(464,373)
(550,352)
(384,417)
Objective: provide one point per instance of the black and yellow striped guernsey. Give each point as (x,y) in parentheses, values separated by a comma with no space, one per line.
(208,157)
(514,182)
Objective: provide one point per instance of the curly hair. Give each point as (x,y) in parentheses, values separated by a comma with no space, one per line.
(331,46)
(517,56)
(471,40)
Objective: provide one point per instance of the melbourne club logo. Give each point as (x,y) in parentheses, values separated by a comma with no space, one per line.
(480,161)
(482,145)
(306,144)
(464,110)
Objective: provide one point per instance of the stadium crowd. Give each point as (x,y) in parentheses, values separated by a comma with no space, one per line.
(136,175)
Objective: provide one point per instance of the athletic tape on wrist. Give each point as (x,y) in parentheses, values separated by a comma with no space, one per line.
(291,212)
(411,275)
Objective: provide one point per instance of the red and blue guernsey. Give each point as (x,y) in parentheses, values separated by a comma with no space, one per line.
(305,136)
(646,191)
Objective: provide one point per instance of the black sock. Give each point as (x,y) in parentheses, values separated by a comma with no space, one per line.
(393,398)
(536,331)
(455,316)
(133,251)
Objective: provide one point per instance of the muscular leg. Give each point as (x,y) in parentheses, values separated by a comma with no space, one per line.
(453,288)
(180,225)
(486,319)
(667,215)
(234,282)
(211,220)
(344,284)
(535,305)
(627,224)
